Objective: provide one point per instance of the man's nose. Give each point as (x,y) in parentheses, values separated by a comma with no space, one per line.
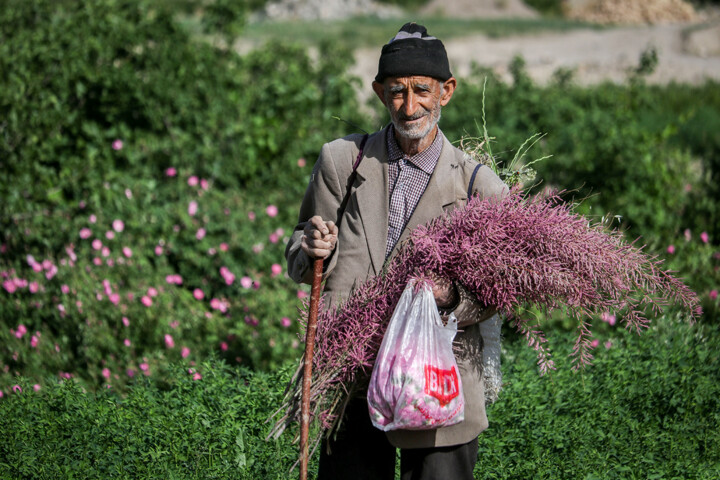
(410,104)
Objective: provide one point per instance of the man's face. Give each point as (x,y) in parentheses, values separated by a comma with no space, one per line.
(414,103)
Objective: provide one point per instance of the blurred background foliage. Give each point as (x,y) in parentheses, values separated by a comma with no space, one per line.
(151,176)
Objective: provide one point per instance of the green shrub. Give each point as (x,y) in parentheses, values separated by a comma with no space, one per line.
(184,163)
(548,7)
(623,150)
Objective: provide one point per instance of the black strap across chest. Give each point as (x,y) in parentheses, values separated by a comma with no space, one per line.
(351,181)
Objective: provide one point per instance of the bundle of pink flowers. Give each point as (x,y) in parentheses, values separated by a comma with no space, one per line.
(512,254)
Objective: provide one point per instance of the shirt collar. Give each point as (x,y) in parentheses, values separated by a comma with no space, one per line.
(425,160)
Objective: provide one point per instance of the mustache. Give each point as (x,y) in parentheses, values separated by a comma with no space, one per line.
(414,116)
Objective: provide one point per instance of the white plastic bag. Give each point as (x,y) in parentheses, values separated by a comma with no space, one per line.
(415,383)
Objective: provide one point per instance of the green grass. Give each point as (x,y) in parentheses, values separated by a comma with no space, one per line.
(648,408)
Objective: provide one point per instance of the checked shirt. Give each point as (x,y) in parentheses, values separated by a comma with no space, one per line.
(408,177)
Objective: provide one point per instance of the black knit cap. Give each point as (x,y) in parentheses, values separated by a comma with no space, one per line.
(413,52)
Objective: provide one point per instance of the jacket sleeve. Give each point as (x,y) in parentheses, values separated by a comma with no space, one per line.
(322,197)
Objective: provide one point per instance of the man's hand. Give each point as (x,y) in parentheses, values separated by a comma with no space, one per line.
(445,293)
(319,238)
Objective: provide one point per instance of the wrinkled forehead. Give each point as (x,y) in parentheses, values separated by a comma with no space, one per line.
(412,81)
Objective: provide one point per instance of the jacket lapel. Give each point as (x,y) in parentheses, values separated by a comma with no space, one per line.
(372,197)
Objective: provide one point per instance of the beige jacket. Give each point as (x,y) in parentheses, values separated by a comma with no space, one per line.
(360,249)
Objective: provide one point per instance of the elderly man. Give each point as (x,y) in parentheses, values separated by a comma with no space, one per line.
(408,173)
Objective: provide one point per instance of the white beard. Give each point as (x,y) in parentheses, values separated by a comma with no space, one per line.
(417,132)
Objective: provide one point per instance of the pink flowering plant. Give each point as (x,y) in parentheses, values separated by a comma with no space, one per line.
(512,254)
(696,255)
(106,309)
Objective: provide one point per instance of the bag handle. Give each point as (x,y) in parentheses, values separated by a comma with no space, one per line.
(472,180)
(351,180)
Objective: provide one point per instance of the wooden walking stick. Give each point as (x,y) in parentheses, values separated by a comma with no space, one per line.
(307,367)
(312,328)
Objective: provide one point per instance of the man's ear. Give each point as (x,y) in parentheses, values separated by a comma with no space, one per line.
(379,89)
(448,88)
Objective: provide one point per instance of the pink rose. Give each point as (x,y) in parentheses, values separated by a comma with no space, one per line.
(118,225)
(671,249)
(193,181)
(171,171)
(169,342)
(271,210)
(704,237)
(21,330)
(147,301)
(85,233)
(10,286)
(198,294)
(275,269)
(117,144)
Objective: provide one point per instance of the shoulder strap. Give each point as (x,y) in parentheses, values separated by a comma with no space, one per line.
(472,180)
(351,181)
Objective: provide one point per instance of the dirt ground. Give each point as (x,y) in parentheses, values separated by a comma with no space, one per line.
(687,53)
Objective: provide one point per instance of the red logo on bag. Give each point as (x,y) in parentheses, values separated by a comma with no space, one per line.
(441,384)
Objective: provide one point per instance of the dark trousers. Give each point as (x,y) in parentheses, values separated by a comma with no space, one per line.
(362,452)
